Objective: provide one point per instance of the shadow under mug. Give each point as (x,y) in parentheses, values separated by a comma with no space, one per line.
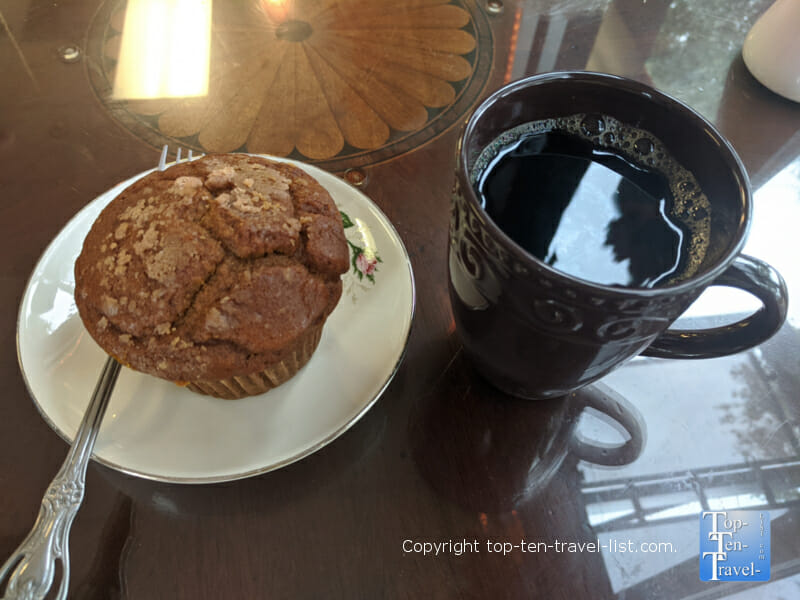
(536,332)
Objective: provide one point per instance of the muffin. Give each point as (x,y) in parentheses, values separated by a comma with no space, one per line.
(218,273)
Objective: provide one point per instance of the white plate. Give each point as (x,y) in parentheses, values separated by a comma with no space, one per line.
(157,430)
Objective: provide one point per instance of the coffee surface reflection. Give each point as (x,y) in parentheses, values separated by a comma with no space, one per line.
(596,199)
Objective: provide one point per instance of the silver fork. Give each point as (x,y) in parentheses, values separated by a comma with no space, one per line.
(31,567)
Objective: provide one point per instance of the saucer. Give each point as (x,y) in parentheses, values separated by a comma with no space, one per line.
(157,430)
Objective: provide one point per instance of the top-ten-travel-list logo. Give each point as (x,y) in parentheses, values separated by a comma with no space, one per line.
(734,545)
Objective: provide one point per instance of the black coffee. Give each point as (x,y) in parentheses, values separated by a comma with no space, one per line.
(595,199)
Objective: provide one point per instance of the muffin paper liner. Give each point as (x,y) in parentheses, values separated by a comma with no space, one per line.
(242,386)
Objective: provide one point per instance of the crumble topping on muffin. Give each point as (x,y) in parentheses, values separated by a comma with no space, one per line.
(213,269)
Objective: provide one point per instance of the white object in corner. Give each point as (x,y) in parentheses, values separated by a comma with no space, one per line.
(771,49)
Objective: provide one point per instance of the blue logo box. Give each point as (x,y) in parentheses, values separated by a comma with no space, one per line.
(734,545)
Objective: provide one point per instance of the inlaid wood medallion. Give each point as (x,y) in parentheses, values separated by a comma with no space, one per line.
(338,83)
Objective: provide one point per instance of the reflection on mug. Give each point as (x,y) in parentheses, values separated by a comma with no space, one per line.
(492,452)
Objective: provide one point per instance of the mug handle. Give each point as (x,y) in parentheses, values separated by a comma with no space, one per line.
(623,416)
(753,276)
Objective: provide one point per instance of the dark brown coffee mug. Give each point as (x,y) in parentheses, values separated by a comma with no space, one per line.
(536,332)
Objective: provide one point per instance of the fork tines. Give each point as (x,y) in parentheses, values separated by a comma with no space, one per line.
(162,162)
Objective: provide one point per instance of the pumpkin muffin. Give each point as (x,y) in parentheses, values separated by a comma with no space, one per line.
(218,273)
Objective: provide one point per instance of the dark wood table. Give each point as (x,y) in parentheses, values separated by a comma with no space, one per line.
(444,488)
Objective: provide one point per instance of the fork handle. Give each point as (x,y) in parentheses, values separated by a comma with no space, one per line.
(32,566)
